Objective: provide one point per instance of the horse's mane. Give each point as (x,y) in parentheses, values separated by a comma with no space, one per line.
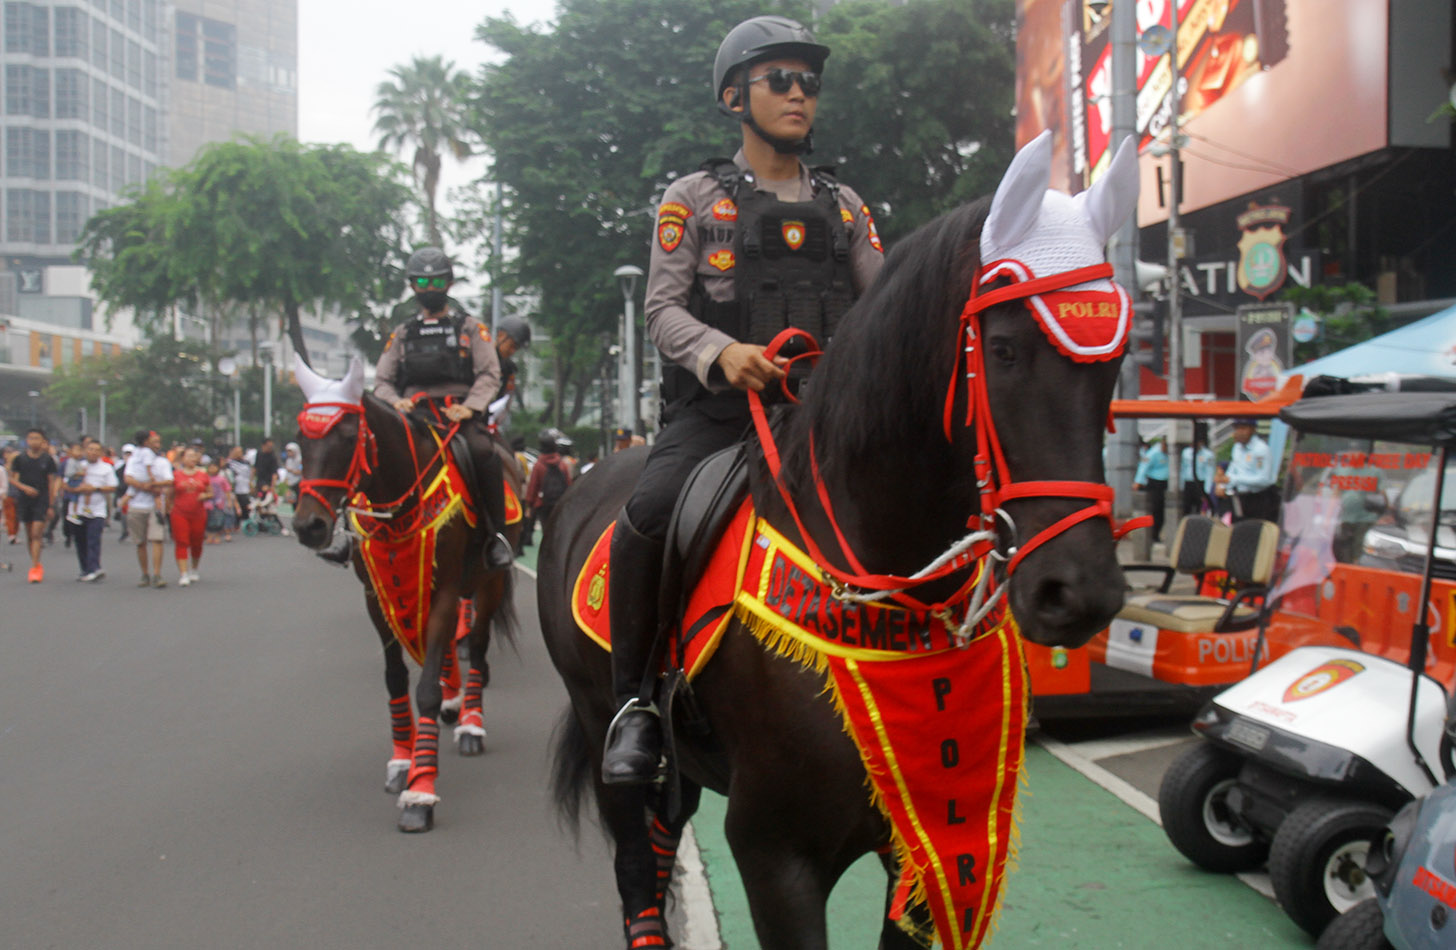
(880,385)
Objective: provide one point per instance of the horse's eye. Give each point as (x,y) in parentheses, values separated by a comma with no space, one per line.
(1002,350)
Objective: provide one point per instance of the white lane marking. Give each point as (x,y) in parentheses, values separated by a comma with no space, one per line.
(700,917)
(527,571)
(1097,749)
(1131,796)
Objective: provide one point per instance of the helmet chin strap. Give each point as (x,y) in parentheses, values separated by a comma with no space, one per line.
(783,146)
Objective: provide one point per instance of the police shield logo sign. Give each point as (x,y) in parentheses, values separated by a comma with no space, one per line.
(1262,267)
(793,232)
(1322,678)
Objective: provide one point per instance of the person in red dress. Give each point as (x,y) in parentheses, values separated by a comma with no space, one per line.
(191,487)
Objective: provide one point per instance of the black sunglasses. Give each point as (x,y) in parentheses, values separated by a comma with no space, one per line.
(781,81)
(425,283)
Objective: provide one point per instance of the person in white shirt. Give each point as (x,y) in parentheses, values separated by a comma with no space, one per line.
(5,494)
(149,474)
(95,482)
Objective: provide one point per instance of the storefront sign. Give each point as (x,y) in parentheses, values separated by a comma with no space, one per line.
(1264,347)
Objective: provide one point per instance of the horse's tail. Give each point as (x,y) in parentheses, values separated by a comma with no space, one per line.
(571,770)
(504,622)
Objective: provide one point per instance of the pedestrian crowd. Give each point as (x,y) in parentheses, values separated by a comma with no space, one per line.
(146,493)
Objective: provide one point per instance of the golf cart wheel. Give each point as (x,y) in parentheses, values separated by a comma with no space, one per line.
(1317,861)
(1362,927)
(1193,805)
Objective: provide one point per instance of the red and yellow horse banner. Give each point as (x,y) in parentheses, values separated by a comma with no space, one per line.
(399,557)
(940,727)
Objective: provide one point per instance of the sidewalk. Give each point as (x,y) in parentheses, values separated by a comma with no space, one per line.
(1093,875)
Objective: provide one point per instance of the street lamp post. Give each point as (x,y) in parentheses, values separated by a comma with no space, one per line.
(265,353)
(228,367)
(34,395)
(629,379)
(1175,232)
(101,425)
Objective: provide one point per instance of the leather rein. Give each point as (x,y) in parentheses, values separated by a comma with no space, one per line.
(993,479)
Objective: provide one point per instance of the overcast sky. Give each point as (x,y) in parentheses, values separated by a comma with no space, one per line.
(346,48)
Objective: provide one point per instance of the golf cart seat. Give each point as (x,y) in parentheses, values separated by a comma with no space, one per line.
(1249,561)
(1200,545)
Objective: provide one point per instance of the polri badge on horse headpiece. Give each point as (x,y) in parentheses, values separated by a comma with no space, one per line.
(325,398)
(1035,233)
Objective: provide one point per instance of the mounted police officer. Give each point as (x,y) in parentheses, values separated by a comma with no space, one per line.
(743,249)
(444,352)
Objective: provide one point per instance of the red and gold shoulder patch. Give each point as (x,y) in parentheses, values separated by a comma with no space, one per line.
(848,216)
(672,221)
(723,260)
(388,343)
(484,333)
(874,233)
(725,210)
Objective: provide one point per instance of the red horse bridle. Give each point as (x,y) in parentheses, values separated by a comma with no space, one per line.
(993,476)
(315,425)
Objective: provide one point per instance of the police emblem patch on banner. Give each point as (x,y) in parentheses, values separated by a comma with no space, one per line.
(793,232)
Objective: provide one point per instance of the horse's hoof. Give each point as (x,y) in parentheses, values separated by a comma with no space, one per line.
(470,744)
(415,819)
(450,716)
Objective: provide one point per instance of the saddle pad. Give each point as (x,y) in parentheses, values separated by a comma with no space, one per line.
(591,594)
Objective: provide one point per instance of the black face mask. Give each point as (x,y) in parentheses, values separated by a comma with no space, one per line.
(432,300)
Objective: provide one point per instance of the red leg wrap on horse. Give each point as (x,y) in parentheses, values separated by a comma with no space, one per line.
(473,712)
(426,758)
(647,929)
(402,725)
(664,849)
(450,675)
(465,619)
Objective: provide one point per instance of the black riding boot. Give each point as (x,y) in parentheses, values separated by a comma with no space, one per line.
(490,489)
(634,740)
(340,549)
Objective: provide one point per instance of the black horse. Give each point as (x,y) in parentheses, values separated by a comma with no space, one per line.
(355,443)
(884,416)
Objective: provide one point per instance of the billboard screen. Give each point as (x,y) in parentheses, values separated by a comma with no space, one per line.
(1271,90)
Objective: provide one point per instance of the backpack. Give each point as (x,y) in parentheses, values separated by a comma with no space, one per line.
(553,486)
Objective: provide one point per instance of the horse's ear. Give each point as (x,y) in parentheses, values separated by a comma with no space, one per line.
(1114,195)
(1018,198)
(309,381)
(354,381)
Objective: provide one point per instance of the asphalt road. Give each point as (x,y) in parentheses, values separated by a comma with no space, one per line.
(203,767)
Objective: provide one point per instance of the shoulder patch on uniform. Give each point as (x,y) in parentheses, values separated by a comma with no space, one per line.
(874,232)
(725,210)
(672,219)
(847,215)
(723,260)
(484,333)
(388,343)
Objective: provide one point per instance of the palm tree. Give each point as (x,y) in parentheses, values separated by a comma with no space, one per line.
(424,105)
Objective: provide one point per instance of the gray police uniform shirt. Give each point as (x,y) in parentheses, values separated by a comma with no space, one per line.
(694,238)
(476,396)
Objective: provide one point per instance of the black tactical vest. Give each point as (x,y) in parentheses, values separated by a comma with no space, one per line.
(791,267)
(435,352)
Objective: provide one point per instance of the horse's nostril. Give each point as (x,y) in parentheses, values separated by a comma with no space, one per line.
(1055,599)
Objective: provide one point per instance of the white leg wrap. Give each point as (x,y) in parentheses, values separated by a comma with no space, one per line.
(411,797)
(396,767)
(466,730)
(455,703)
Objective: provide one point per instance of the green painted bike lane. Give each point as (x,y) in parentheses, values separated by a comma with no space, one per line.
(1093,874)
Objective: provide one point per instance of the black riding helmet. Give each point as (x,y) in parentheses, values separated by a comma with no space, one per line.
(519,330)
(546,441)
(753,41)
(429,262)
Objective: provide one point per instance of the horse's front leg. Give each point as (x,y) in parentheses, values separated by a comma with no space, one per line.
(417,801)
(787,886)
(401,717)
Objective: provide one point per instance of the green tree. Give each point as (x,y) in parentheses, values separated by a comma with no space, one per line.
(256,227)
(588,120)
(425,106)
(1349,314)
